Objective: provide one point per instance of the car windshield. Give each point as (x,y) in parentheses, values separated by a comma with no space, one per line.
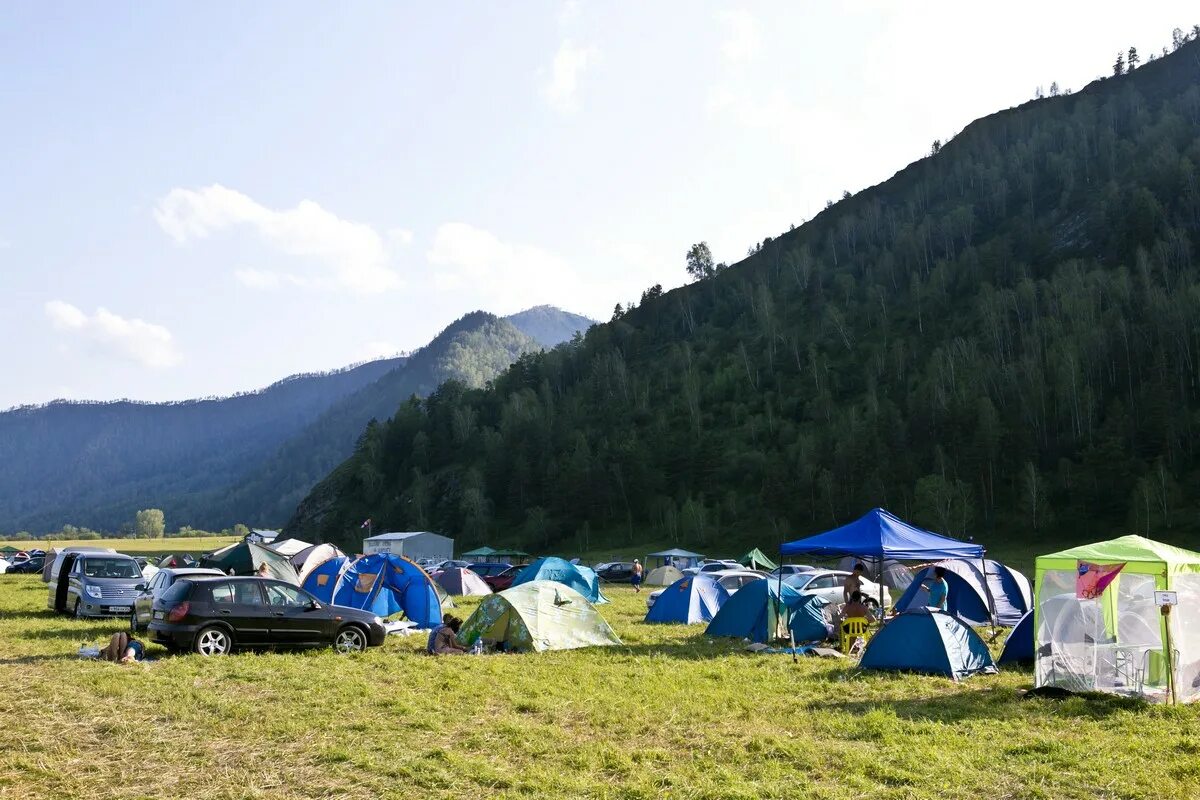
(111,568)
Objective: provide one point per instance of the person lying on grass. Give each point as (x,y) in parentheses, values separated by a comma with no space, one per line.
(442,641)
(124,649)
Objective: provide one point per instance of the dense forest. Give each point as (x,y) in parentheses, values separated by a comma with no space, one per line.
(1002,340)
(248,458)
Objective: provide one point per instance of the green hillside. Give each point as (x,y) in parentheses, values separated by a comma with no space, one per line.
(1001,340)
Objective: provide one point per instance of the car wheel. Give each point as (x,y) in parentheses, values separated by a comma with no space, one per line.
(133,623)
(213,641)
(871,603)
(350,640)
(78,610)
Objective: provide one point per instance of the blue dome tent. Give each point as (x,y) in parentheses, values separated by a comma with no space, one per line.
(969,591)
(810,622)
(1018,647)
(381,583)
(759,611)
(691,599)
(582,579)
(928,641)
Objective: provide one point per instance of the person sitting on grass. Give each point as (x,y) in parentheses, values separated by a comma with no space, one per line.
(442,639)
(124,649)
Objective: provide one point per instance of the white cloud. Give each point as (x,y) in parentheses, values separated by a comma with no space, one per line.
(354,252)
(107,333)
(510,276)
(400,236)
(569,62)
(745,35)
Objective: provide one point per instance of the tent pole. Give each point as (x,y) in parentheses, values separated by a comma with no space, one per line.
(879,577)
(987,587)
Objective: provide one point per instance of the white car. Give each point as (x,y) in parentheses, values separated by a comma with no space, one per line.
(731,579)
(712,566)
(790,569)
(828,584)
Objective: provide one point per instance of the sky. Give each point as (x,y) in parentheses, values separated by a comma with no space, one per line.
(202,198)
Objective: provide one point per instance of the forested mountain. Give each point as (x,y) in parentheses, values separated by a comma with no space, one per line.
(1004,338)
(471,351)
(249,458)
(550,326)
(94,463)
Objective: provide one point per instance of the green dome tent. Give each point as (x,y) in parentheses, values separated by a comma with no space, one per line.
(538,616)
(755,559)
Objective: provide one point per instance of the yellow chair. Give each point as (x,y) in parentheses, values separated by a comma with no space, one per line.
(852,629)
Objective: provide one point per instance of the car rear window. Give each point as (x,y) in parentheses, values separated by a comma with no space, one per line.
(178,591)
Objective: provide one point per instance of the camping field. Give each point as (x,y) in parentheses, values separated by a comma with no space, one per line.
(669,714)
(136,547)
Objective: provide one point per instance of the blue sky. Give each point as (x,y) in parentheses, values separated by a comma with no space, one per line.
(203,198)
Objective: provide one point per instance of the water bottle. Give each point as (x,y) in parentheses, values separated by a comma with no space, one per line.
(477,648)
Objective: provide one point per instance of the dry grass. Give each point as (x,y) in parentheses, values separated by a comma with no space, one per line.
(669,714)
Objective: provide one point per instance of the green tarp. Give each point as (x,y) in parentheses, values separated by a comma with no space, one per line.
(540,615)
(756,560)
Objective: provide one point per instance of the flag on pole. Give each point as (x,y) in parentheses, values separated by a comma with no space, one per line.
(1092,579)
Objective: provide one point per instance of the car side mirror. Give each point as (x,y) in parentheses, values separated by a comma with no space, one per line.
(312,606)
(141,587)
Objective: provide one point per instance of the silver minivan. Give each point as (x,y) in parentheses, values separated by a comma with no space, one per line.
(96,585)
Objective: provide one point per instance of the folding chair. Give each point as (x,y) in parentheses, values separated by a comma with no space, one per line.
(853,629)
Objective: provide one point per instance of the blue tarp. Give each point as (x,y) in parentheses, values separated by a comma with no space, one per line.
(968,598)
(691,599)
(880,534)
(1018,647)
(382,583)
(928,641)
(748,614)
(550,568)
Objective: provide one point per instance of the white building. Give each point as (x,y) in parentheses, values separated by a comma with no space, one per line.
(412,545)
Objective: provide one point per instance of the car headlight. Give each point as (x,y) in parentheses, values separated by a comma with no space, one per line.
(92,591)
(377,620)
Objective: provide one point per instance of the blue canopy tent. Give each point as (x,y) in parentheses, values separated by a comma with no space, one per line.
(582,579)
(923,640)
(1018,647)
(880,535)
(381,583)
(691,599)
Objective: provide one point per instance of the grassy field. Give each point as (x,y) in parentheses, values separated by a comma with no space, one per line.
(669,714)
(135,547)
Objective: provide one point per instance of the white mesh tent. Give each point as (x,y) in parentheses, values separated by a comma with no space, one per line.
(1118,641)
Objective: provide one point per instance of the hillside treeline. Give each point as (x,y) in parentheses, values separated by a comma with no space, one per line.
(1002,338)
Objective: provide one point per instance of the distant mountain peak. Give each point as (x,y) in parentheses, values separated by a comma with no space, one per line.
(550,325)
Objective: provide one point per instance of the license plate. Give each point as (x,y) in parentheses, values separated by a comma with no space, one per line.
(119,609)
(158,615)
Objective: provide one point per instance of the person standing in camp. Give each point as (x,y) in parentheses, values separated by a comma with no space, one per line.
(939,590)
(853,582)
(636,577)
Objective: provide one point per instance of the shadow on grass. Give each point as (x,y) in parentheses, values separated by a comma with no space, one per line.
(42,614)
(987,703)
(19,660)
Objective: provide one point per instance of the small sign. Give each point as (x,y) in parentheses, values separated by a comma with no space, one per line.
(1166,598)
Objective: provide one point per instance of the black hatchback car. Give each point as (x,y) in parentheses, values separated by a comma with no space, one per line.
(212,616)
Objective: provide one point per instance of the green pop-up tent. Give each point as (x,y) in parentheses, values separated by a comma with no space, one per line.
(540,615)
(1098,623)
(756,560)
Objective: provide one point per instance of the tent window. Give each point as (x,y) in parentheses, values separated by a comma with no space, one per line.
(322,580)
(365,581)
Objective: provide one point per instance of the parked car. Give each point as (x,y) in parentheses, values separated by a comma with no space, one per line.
(66,557)
(730,579)
(30,566)
(790,569)
(712,565)
(828,584)
(95,584)
(616,571)
(452,563)
(503,579)
(164,579)
(484,569)
(214,615)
